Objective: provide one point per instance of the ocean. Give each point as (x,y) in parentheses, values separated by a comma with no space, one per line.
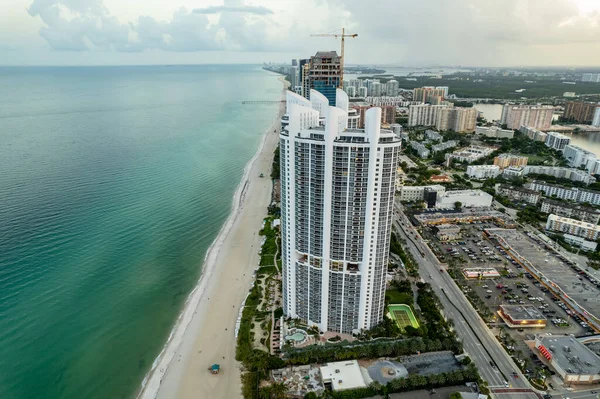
(114,182)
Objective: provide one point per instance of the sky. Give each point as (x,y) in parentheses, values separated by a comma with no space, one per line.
(391,32)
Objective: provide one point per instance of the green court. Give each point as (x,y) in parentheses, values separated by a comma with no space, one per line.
(403,316)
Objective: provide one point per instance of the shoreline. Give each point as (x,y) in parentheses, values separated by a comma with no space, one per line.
(164,378)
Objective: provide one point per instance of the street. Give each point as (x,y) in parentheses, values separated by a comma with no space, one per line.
(494,364)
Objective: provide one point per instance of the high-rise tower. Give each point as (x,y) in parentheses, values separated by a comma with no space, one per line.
(323,73)
(337,199)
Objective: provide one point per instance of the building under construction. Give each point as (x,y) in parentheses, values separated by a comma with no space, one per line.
(322,73)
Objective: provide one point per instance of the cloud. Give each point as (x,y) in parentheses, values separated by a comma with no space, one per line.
(86,25)
(258,10)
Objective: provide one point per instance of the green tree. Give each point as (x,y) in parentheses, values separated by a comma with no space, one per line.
(458,205)
(455,395)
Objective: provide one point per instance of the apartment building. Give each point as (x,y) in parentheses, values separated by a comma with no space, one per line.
(591,77)
(443,146)
(337,201)
(557,141)
(579,157)
(535,116)
(579,111)
(516,193)
(566,193)
(469,154)
(577,228)
(433,135)
(420,148)
(424,114)
(533,134)
(571,210)
(430,94)
(506,160)
(560,172)
(388,112)
(483,171)
(458,119)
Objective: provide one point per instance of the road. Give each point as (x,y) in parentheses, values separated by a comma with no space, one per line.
(494,364)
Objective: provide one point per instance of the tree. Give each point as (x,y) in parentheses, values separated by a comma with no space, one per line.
(278,391)
(455,395)
(458,205)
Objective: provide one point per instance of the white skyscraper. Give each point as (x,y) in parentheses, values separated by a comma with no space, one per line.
(336,213)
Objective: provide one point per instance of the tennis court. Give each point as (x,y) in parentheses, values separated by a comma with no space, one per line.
(403,316)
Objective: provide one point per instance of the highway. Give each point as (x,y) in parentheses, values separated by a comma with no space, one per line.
(494,364)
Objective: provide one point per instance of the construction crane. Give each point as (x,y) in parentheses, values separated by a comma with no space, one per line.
(343,35)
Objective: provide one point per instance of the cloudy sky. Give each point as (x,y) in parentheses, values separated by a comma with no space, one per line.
(405,32)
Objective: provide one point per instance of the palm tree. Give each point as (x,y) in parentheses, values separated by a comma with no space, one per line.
(278,391)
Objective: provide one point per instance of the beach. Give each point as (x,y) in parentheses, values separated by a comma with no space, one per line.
(205,331)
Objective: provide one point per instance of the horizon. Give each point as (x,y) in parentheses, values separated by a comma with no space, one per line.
(149,32)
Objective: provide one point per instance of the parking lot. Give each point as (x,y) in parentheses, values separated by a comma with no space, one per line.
(514,286)
(574,283)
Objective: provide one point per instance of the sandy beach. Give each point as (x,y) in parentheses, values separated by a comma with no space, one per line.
(204,333)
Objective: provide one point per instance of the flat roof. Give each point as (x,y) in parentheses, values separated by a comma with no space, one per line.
(343,375)
(571,205)
(522,312)
(571,355)
(574,222)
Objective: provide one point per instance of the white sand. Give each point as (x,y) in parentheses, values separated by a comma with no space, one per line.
(204,333)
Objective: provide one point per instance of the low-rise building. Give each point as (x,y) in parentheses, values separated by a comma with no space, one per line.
(420,148)
(533,134)
(574,227)
(339,376)
(582,243)
(443,146)
(464,216)
(418,193)
(557,141)
(520,316)
(516,193)
(469,154)
(578,157)
(448,232)
(433,135)
(575,175)
(571,210)
(513,171)
(506,160)
(495,131)
(572,360)
(467,199)
(480,272)
(483,171)
(567,193)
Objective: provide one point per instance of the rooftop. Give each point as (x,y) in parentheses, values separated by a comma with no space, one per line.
(343,375)
(571,355)
(571,205)
(574,222)
(522,312)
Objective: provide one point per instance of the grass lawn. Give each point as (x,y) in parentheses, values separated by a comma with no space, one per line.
(395,296)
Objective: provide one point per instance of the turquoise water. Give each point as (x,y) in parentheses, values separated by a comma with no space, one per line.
(113,183)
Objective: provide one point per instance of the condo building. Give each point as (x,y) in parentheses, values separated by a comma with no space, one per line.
(494,131)
(535,116)
(580,111)
(571,210)
(578,157)
(337,200)
(557,141)
(574,227)
(424,114)
(458,119)
(506,160)
(567,193)
(483,171)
